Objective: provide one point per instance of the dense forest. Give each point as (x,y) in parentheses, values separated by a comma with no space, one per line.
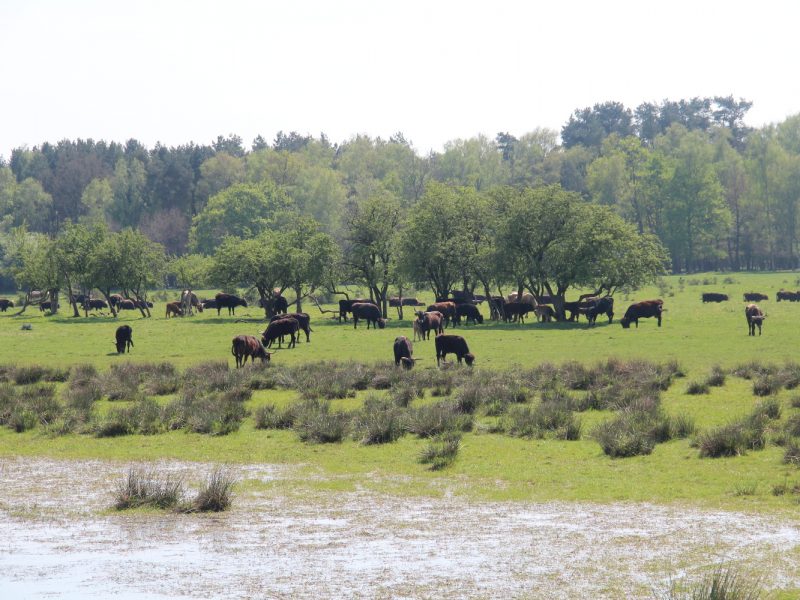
(717,194)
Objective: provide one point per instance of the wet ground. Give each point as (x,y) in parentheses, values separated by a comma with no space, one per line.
(59,540)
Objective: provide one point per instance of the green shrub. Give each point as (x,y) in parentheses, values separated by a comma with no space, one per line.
(435,419)
(145,488)
(441,451)
(269,417)
(628,434)
(315,423)
(379,421)
(216,493)
(733,439)
(697,387)
(791,455)
(717,377)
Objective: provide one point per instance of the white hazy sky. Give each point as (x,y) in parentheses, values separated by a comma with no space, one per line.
(176,71)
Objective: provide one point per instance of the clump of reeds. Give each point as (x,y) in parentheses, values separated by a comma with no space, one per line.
(441,451)
(146,488)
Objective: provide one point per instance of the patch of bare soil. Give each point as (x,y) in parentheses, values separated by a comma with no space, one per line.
(58,540)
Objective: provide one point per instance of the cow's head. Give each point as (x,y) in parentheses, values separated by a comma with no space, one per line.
(480,318)
(407,363)
(469,358)
(625,322)
(243,302)
(381,323)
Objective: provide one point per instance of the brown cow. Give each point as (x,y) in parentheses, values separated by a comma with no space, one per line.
(174,309)
(243,346)
(453,344)
(755,297)
(448,310)
(403,349)
(642,310)
(430,321)
(755,318)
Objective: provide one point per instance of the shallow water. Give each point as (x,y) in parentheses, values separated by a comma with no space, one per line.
(355,544)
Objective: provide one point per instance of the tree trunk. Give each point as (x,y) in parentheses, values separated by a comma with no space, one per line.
(107,296)
(298,292)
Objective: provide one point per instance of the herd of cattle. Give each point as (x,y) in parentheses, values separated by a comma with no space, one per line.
(444,313)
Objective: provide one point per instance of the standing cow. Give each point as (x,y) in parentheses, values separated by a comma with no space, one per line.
(279,328)
(403,349)
(370,313)
(642,310)
(230,302)
(755,318)
(453,344)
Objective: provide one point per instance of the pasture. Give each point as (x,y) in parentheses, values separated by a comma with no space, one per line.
(493,463)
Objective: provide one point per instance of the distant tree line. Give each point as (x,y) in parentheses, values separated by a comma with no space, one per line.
(715,193)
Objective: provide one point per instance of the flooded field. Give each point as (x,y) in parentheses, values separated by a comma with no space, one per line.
(58,539)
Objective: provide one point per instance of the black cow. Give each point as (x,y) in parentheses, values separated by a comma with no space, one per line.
(403,350)
(600,306)
(642,310)
(346,306)
(396,302)
(755,318)
(716,297)
(497,308)
(209,304)
(470,312)
(115,299)
(755,297)
(230,302)
(5,304)
(279,328)
(243,346)
(453,344)
(47,305)
(370,313)
(124,339)
(516,311)
(142,304)
(96,304)
(280,305)
(126,304)
(302,318)
(790,296)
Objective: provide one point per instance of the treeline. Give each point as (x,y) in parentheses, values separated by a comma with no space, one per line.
(543,239)
(717,194)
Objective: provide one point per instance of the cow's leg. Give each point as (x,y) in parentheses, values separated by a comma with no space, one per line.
(659,319)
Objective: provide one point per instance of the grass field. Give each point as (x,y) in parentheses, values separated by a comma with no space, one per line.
(489,465)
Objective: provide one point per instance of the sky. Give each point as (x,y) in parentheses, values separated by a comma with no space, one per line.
(175,71)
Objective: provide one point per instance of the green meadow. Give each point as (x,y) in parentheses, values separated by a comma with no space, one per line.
(490,464)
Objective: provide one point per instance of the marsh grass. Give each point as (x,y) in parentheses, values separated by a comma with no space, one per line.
(268,416)
(146,488)
(437,418)
(215,495)
(441,451)
(316,423)
(378,422)
(717,376)
(143,417)
(698,387)
(723,583)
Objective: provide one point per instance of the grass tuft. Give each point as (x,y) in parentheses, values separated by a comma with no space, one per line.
(145,488)
(441,451)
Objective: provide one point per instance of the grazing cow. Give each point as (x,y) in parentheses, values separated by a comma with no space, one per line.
(115,299)
(716,297)
(95,304)
(600,306)
(470,312)
(370,313)
(209,304)
(430,321)
(790,296)
(755,297)
(174,309)
(453,344)
(516,311)
(126,304)
(448,310)
(188,301)
(403,349)
(230,302)
(642,310)
(243,346)
(497,308)
(47,305)
(142,304)
(279,328)
(346,306)
(124,339)
(576,309)
(755,318)
(5,304)
(302,318)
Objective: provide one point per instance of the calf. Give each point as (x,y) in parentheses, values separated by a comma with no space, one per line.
(5,304)
(470,312)
(755,297)
(755,318)
(174,309)
(416,324)
(403,351)
(545,313)
(516,311)
(370,313)
(124,339)
(230,302)
(642,310)
(715,297)
(453,344)
(243,346)
(279,328)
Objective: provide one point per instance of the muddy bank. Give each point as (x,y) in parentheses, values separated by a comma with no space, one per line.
(58,541)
